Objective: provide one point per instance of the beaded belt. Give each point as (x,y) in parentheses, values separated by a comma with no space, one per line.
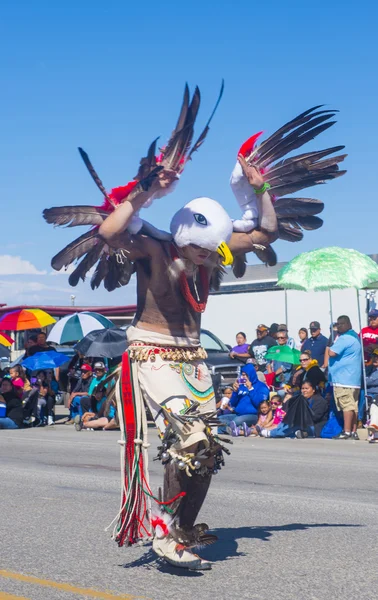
(143,352)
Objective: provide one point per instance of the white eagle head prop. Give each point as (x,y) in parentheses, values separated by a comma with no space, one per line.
(206,224)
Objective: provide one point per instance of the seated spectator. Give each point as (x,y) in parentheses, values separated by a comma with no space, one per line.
(317,343)
(260,347)
(308,370)
(105,414)
(282,370)
(278,415)
(290,341)
(311,398)
(240,351)
(19,380)
(222,405)
(52,382)
(80,391)
(372,376)
(248,393)
(14,412)
(265,418)
(41,345)
(302,337)
(39,408)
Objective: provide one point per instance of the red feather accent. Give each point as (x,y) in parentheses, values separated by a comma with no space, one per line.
(118,194)
(158,522)
(249,145)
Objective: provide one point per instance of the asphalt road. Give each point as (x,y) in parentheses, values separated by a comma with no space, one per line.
(295,518)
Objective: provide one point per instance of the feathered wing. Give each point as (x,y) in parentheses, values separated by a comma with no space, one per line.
(297,172)
(114,268)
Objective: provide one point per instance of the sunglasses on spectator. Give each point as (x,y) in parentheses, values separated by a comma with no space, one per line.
(275,403)
(281,337)
(304,359)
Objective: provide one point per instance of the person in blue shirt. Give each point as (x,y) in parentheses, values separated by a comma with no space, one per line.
(248,393)
(317,343)
(345,372)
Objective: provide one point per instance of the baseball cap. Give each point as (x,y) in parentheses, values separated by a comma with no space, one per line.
(282,327)
(261,328)
(99,365)
(373,314)
(315,325)
(85,367)
(273,328)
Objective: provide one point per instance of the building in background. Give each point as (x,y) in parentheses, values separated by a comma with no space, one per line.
(242,304)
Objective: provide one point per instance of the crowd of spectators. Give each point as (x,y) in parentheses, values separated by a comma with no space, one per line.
(323,396)
(27,399)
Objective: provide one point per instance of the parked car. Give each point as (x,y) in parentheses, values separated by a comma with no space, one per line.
(223,369)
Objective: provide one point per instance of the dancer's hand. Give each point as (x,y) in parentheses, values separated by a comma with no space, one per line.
(253,175)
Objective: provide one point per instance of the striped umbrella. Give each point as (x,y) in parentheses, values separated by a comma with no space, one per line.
(5,339)
(74,327)
(26,318)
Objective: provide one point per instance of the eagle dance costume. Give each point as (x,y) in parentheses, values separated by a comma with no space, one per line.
(165,370)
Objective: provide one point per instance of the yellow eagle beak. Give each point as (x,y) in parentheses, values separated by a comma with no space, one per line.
(225,253)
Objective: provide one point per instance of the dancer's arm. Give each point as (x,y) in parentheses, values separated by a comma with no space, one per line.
(115,224)
(268,227)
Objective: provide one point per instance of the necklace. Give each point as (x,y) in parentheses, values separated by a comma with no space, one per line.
(185,289)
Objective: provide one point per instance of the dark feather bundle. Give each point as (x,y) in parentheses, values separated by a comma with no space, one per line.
(76,249)
(100,272)
(217,278)
(94,176)
(86,264)
(266,255)
(239,265)
(297,207)
(72,216)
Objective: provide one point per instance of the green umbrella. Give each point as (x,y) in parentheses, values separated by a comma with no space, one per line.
(328,268)
(331,268)
(283,354)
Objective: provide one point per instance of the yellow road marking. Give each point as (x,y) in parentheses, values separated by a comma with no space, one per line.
(4,596)
(65,587)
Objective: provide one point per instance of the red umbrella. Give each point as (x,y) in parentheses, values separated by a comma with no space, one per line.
(26,318)
(5,339)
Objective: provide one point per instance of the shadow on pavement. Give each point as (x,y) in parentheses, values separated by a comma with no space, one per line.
(227,546)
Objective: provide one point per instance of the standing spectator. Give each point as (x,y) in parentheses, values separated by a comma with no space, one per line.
(302,337)
(290,341)
(41,345)
(273,329)
(241,349)
(282,370)
(14,409)
(345,371)
(30,343)
(317,343)
(260,346)
(81,390)
(369,335)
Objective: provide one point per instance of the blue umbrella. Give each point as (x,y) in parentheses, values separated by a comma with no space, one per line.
(45,360)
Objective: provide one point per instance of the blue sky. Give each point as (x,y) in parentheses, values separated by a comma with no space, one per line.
(109,76)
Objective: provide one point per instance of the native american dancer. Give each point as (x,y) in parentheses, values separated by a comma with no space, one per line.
(164,365)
